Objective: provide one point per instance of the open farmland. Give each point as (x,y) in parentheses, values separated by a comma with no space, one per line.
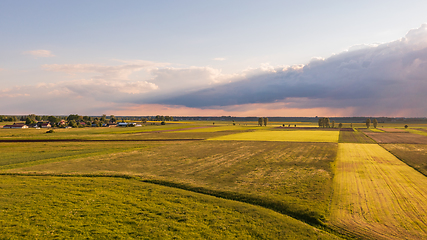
(415,155)
(35,153)
(171,176)
(115,208)
(408,138)
(354,137)
(294,176)
(289,136)
(393,130)
(377,196)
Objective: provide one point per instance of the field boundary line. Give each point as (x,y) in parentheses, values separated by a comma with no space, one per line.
(273,205)
(375,142)
(381,145)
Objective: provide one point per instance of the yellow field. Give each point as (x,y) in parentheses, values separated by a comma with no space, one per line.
(222,128)
(376,196)
(288,136)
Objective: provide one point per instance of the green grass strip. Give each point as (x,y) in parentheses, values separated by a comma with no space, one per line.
(305,215)
(416,132)
(65,158)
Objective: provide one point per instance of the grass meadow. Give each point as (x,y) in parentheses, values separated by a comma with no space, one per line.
(199,180)
(114,208)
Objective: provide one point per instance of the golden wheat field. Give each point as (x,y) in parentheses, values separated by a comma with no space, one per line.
(376,195)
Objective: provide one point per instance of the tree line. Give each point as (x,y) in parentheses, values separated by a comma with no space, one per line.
(262,120)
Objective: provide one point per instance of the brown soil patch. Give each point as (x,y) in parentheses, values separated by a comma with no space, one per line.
(393,130)
(315,128)
(421,129)
(404,137)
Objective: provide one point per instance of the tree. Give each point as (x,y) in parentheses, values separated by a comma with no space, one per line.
(53,119)
(29,121)
(368,123)
(265,121)
(323,122)
(104,118)
(74,117)
(320,122)
(333,124)
(340,125)
(72,123)
(375,123)
(113,118)
(260,121)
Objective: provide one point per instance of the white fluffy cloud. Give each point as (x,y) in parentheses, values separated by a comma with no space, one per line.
(119,72)
(388,78)
(40,53)
(95,84)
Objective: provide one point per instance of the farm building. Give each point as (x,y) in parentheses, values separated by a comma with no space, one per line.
(16,125)
(45,125)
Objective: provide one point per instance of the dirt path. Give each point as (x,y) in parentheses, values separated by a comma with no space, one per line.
(377,196)
(101,140)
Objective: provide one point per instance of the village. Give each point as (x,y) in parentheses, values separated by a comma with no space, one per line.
(72,121)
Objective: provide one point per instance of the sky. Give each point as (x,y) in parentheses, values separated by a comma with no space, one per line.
(214,58)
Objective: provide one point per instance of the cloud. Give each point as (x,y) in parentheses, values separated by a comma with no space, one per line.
(120,72)
(381,78)
(40,53)
(219,59)
(95,84)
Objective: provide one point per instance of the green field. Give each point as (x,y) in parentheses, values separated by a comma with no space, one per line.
(197,180)
(275,172)
(288,136)
(114,208)
(354,137)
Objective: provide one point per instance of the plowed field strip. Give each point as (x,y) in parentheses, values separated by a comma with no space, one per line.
(377,196)
(101,140)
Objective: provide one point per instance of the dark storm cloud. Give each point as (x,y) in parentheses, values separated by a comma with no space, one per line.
(390,75)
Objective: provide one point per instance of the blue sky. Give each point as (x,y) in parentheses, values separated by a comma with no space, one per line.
(161,57)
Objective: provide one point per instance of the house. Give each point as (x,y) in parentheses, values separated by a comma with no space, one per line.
(122,124)
(45,125)
(16,125)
